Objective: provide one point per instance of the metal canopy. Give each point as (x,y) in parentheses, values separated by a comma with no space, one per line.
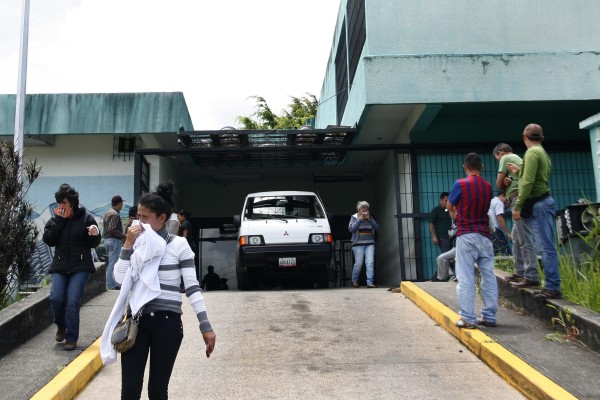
(268,148)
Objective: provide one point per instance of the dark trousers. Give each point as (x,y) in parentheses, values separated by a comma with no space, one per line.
(501,246)
(159,334)
(444,245)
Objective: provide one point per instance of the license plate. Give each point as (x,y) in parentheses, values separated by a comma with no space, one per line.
(287,262)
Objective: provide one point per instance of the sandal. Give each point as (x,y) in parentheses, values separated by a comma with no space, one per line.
(462,324)
(483,322)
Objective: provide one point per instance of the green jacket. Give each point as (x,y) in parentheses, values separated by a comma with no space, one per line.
(535,172)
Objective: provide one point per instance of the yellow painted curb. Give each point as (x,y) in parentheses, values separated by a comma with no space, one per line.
(69,382)
(530,382)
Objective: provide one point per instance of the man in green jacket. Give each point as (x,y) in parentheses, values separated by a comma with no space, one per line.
(534,199)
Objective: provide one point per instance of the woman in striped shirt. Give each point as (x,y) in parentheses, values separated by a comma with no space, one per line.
(160,329)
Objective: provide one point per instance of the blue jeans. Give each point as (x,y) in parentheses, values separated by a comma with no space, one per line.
(364,255)
(474,248)
(160,334)
(543,225)
(113,248)
(65,301)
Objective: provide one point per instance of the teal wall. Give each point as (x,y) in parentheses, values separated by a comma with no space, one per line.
(442,51)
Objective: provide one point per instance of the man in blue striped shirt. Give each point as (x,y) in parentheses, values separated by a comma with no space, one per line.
(469,202)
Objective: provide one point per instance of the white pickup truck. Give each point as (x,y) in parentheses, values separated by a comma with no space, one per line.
(282,235)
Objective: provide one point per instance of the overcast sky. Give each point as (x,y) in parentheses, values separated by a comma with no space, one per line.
(218,53)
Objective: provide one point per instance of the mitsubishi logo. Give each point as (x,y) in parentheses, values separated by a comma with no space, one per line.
(285,233)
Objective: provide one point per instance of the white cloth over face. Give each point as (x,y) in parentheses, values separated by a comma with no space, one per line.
(140,285)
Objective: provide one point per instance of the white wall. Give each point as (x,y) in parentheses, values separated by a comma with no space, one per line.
(85,162)
(76,155)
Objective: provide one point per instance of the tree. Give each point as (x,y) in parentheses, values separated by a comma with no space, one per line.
(18,232)
(293,116)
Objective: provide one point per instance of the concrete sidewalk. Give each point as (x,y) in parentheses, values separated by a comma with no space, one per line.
(518,348)
(31,366)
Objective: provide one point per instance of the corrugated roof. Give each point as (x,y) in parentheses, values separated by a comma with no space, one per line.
(97,113)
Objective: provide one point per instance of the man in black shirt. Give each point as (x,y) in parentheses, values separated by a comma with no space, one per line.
(439,224)
(211,280)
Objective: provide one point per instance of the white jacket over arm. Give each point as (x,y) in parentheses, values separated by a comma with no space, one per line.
(140,279)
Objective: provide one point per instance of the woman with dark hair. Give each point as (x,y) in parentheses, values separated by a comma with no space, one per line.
(73,233)
(160,330)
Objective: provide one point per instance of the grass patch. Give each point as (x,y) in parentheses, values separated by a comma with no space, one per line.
(580,281)
(581,284)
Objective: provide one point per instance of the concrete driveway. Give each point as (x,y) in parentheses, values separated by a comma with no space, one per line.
(325,344)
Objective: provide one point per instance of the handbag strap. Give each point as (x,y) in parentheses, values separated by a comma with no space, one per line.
(136,317)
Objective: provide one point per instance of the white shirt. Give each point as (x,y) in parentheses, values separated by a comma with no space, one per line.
(496,208)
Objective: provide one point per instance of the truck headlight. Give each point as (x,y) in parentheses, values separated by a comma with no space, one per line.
(320,238)
(251,240)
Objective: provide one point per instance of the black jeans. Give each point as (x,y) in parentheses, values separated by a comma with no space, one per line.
(444,245)
(160,334)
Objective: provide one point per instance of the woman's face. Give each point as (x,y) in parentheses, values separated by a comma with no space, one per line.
(180,218)
(65,204)
(147,216)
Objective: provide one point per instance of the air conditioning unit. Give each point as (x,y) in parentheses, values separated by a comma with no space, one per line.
(577,219)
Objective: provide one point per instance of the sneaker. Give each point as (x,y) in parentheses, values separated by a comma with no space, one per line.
(462,324)
(547,294)
(371,286)
(452,278)
(356,285)
(69,346)
(513,278)
(525,283)
(60,334)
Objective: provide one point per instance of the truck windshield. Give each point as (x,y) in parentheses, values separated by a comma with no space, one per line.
(283,207)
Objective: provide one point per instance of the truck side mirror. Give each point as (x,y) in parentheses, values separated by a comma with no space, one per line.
(237,220)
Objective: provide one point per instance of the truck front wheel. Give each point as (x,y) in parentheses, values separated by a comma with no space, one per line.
(244,281)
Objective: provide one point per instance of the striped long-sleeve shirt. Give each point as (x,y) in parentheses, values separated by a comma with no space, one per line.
(472,196)
(177,262)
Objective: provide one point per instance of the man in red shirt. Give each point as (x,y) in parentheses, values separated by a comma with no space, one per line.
(469,202)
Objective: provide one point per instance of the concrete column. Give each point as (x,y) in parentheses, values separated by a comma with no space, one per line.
(593,124)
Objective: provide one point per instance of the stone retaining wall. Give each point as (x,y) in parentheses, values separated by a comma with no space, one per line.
(26,318)
(585,320)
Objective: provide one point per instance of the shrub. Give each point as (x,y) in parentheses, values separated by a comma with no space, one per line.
(17,232)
